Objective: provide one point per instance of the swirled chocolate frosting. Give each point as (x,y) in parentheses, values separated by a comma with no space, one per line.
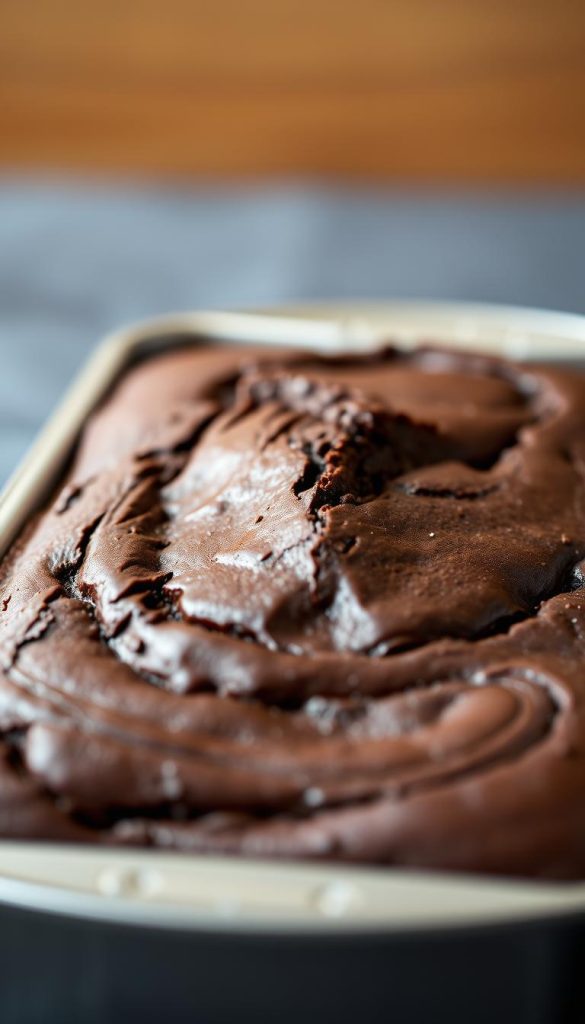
(286,605)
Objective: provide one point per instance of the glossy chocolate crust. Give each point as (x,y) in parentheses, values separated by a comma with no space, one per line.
(293,606)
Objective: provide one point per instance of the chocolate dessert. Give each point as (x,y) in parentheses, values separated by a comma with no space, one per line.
(295,606)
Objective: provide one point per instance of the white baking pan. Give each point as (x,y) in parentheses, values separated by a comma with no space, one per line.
(242,896)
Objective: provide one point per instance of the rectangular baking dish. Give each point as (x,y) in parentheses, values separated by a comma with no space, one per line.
(252,902)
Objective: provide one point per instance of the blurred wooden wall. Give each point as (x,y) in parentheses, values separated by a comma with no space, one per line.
(450,89)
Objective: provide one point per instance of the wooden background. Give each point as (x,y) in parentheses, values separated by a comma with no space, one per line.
(445,89)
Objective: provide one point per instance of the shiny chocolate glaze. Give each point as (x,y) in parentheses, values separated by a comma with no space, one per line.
(293,606)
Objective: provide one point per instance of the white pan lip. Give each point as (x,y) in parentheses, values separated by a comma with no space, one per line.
(221,895)
(216,894)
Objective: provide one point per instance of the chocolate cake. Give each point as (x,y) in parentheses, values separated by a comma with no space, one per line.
(287,605)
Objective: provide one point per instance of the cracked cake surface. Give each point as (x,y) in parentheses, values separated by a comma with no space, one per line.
(302,606)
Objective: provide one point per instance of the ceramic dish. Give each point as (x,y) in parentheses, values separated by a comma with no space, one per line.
(264,926)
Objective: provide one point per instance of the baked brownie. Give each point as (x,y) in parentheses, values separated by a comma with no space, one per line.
(287,605)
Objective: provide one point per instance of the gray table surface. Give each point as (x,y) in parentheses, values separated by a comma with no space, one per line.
(77,259)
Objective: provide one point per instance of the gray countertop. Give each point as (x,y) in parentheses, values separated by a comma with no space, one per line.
(78,259)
